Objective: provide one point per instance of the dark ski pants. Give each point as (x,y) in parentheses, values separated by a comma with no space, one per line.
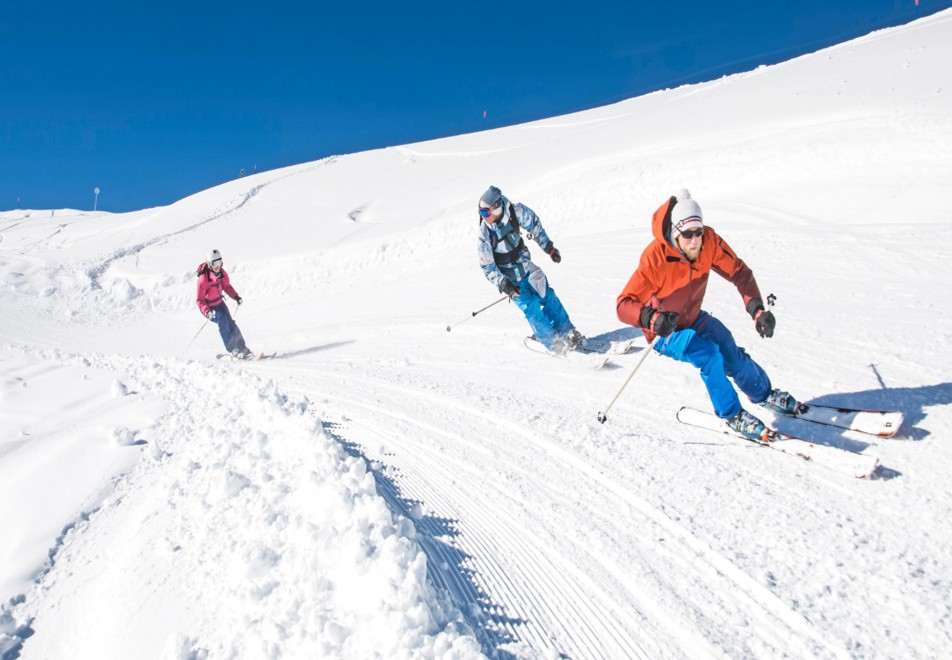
(230,334)
(545,314)
(710,346)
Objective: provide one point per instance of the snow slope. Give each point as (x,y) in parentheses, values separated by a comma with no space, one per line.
(384,488)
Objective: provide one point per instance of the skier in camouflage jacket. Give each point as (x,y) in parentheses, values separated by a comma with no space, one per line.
(507,264)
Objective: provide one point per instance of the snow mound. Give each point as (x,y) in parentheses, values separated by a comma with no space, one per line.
(289,549)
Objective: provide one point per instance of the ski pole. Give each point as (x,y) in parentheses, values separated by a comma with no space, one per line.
(450,327)
(603,416)
(195,337)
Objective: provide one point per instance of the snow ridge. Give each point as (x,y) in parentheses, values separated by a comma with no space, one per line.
(281,532)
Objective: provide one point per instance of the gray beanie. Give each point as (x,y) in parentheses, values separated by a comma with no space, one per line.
(491,196)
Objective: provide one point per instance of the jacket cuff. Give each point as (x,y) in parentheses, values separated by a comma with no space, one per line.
(755,306)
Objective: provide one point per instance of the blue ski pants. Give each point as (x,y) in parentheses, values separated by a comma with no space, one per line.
(545,314)
(709,346)
(230,334)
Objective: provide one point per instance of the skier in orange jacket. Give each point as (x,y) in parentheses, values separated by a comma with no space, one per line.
(664,297)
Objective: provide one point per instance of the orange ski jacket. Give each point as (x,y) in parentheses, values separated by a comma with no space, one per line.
(667,281)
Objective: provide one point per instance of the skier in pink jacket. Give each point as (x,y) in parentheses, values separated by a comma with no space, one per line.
(212,284)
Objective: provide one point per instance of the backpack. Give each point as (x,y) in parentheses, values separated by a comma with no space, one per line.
(512,256)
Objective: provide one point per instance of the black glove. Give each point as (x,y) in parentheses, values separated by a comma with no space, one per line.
(660,323)
(509,289)
(555,254)
(765,324)
(238,300)
(764,320)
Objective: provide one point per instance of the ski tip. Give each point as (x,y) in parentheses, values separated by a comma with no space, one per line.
(891,427)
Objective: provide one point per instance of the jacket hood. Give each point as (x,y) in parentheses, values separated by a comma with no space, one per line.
(661,223)
(505,210)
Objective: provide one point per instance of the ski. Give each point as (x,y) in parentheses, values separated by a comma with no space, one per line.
(844,461)
(871,422)
(607,347)
(252,358)
(581,358)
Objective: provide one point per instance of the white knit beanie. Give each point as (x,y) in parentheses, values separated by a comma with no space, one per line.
(686,214)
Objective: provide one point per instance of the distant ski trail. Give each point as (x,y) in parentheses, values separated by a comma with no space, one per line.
(441,447)
(240,201)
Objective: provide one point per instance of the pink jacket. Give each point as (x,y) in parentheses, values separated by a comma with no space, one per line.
(211,286)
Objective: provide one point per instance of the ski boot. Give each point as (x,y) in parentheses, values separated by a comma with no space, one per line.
(574,340)
(780,402)
(571,341)
(749,426)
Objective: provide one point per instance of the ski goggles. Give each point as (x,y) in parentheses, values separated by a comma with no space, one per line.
(692,233)
(486,211)
(216,262)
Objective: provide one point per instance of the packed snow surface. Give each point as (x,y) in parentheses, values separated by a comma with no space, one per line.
(385,488)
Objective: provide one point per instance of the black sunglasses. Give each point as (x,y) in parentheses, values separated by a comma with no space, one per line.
(691,233)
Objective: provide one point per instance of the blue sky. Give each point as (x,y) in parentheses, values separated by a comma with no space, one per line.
(152,102)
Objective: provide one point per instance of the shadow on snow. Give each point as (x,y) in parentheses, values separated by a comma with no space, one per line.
(910,401)
(313,349)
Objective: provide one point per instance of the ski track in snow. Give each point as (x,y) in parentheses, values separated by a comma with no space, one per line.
(96,271)
(426,459)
